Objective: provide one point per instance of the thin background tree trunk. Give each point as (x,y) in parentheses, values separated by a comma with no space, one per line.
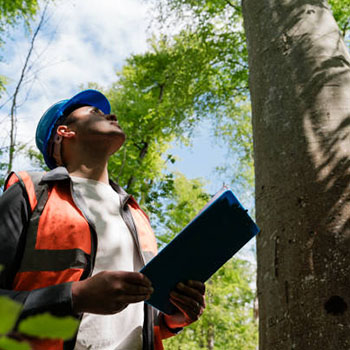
(14,99)
(300,92)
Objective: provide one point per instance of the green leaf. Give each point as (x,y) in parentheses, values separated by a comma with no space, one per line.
(12,344)
(50,327)
(9,312)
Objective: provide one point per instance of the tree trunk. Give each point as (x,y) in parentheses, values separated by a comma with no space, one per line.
(300,92)
(210,337)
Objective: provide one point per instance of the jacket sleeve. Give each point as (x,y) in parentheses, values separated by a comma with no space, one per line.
(162,331)
(14,216)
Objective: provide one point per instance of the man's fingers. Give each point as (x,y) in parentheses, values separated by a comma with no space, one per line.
(191,302)
(122,301)
(130,283)
(133,289)
(129,299)
(197,285)
(192,310)
(189,293)
(133,278)
(178,305)
(109,292)
(189,299)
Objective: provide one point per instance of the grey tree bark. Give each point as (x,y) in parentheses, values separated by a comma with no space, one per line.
(300,93)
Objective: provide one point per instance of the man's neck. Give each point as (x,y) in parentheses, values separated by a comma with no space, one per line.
(88,160)
(97,172)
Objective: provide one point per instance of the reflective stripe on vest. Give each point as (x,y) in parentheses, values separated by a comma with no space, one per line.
(57,242)
(58,238)
(25,180)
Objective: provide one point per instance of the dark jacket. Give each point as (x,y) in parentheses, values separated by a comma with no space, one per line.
(39,267)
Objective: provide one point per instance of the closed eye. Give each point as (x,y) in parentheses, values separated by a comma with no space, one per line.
(96,110)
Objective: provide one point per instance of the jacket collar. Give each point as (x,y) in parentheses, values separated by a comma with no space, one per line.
(124,196)
(58,174)
(61,173)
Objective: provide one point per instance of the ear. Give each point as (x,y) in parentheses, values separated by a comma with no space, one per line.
(65,132)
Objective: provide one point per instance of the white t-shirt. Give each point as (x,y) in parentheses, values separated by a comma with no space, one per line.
(116,250)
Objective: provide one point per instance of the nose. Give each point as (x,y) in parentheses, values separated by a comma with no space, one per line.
(111,117)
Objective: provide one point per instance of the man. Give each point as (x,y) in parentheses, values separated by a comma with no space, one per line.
(73,241)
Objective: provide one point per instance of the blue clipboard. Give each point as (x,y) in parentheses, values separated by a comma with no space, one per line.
(218,231)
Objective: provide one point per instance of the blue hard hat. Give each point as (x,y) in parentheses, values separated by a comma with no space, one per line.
(48,121)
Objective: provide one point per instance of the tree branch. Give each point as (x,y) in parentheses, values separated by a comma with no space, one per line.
(142,154)
(144,150)
(345,28)
(237,8)
(17,90)
(161,92)
(122,166)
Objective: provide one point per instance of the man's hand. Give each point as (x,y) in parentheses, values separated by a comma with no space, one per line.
(189,299)
(109,292)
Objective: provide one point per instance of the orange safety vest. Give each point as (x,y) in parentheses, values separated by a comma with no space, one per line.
(61,243)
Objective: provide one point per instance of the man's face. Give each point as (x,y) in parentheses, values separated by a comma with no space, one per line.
(92,125)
